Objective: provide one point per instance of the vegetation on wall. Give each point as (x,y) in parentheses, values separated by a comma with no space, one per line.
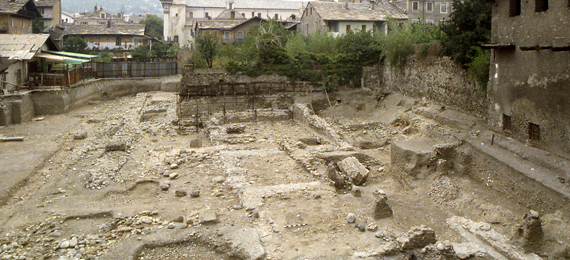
(333,60)
(469,27)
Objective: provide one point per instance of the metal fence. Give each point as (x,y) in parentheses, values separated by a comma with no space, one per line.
(129,69)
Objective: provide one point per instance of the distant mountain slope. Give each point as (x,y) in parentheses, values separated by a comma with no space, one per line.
(113,6)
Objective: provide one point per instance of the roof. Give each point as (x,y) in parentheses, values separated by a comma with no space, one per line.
(226,14)
(19,7)
(222,24)
(357,12)
(23,46)
(115,29)
(250,4)
(73,54)
(45,2)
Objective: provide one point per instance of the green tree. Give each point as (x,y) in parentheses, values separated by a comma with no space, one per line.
(141,53)
(207,47)
(296,44)
(38,25)
(154,26)
(469,25)
(75,44)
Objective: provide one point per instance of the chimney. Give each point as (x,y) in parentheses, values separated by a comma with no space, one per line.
(372,4)
(346,5)
(95,9)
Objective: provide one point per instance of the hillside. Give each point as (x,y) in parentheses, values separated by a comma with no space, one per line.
(113,6)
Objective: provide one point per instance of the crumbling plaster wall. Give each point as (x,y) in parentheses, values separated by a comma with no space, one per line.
(438,79)
(530,75)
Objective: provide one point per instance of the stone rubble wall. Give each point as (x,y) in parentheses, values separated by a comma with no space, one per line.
(439,79)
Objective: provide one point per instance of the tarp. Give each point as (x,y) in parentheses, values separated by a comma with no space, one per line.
(61,59)
(73,54)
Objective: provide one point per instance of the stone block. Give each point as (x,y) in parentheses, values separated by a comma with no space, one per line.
(354,170)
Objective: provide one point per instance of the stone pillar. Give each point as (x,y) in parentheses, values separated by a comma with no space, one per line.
(381,207)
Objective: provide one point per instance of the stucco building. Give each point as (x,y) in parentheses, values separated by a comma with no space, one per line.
(530,72)
(16,16)
(51,12)
(98,17)
(228,30)
(111,36)
(343,17)
(179,15)
(430,11)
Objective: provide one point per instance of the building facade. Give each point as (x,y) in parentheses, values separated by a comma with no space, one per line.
(227,30)
(51,13)
(430,11)
(530,72)
(111,36)
(99,17)
(179,15)
(16,16)
(343,17)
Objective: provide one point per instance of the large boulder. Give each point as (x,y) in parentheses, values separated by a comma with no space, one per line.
(354,170)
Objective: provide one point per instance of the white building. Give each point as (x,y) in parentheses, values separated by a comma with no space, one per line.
(180,14)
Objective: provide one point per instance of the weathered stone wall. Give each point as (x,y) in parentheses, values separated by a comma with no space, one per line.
(438,79)
(192,76)
(23,107)
(60,101)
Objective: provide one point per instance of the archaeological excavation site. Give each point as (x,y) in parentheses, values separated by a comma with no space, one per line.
(213,165)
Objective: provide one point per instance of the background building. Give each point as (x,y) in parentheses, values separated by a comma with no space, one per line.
(179,15)
(343,17)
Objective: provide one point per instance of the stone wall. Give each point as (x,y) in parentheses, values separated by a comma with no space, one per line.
(23,107)
(191,76)
(438,79)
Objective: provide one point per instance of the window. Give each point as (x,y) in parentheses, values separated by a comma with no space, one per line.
(252,14)
(240,36)
(227,36)
(118,41)
(507,125)
(206,15)
(259,15)
(83,23)
(429,21)
(364,27)
(429,7)
(276,16)
(311,10)
(175,38)
(415,6)
(176,14)
(514,7)
(348,28)
(443,8)
(541,5)
(533,132)
(191,15)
